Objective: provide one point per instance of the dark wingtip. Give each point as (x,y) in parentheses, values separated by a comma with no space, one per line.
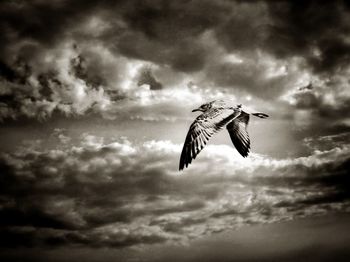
(181,167)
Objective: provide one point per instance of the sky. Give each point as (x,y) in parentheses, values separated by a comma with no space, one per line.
(95,104)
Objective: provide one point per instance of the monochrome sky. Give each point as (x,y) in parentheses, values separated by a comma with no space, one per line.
(96,100)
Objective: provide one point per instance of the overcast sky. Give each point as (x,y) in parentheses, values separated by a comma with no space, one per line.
(95,104)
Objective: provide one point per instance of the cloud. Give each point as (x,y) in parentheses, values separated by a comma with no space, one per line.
(255,74)
(126,194)
(91,64)
(93,71)
(303,30)
(147,78)
(321,101)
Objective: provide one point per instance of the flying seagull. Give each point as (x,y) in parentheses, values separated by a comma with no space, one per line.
(217,114)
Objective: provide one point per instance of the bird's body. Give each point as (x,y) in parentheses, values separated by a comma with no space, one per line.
(216,115)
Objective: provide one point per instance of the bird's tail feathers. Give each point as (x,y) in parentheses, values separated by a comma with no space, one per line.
(261,115)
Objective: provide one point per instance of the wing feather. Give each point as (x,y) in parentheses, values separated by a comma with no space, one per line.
(201,130)
(237,129)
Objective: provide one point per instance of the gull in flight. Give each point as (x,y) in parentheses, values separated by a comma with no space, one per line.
(217,114)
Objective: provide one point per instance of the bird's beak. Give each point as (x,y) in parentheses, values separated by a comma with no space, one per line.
(194,110)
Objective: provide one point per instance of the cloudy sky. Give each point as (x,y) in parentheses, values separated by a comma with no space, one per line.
(95,103)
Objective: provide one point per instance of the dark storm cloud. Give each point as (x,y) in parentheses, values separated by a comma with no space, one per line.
(85,67)
(167,33)
(316,30)
(45,197)
(30,31)
(39,21)
(124,194)
(147,78)
(246,28)
(173,27)
(7,73)
(328,102)
(251,77)
(138,61)
(67,52)
(185,55)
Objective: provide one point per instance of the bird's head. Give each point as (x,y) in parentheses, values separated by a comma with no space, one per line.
(213,104)
(203,107)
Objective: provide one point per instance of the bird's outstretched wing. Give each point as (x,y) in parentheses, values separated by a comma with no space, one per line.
(237,129)
(201,130)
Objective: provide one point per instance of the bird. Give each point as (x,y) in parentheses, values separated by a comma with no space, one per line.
(215,116)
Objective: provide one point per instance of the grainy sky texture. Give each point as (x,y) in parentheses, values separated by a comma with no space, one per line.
(95,103)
